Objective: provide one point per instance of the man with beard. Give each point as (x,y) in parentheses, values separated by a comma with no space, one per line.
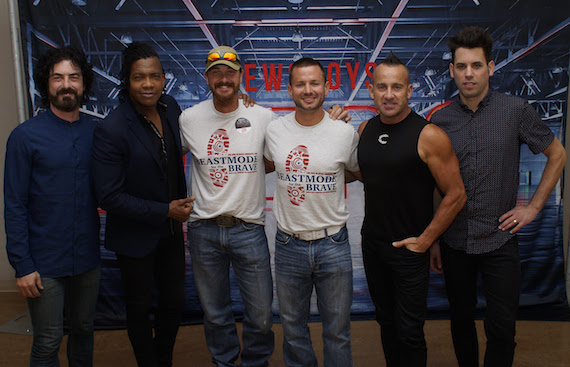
(52,225)
(139,181)
(226,140)
(227,225)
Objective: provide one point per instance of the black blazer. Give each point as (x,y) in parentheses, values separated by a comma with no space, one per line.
(129,181)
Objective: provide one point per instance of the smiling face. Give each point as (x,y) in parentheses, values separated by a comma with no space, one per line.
(308,87)
(146,82)
(224,83)
(471,73)
(391,91)
(65,86)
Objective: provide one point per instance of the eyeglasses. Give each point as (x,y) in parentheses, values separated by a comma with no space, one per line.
(230,56)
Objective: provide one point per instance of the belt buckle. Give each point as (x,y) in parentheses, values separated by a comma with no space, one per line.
(225,221)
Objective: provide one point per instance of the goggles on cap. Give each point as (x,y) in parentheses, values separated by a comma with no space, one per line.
(230,56)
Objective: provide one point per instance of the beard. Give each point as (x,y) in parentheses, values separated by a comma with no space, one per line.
(226,98)
(67,103)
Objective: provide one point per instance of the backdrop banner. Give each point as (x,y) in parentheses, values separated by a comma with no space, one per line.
(349,38)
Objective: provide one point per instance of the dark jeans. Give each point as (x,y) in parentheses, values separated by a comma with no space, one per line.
(166,265)
(398,283)
(501,274)
(76,296)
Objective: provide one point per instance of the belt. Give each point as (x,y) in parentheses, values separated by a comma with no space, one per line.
(225,220)
(314,235)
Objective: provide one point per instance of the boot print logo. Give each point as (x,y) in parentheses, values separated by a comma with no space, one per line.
(297,161)
(218,145)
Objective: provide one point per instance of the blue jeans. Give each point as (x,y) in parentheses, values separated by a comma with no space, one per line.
(77,295)
(325,264)
(244,245)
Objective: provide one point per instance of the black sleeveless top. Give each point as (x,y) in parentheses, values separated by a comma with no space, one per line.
(398,185)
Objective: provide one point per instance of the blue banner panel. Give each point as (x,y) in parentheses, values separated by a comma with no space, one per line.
(349,38)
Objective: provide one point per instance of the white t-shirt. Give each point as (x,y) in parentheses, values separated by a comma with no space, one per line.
(309,165)
(227,174)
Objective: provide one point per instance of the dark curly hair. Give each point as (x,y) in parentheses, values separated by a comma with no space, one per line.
(45,65)
(135,51)
(472,37)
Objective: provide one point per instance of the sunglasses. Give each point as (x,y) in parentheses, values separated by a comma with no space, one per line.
(227,56)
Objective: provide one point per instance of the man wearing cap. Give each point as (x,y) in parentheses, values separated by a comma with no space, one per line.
(226,140)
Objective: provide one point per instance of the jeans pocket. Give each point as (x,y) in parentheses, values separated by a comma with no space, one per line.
(249,226)
(282,238)
(339,238)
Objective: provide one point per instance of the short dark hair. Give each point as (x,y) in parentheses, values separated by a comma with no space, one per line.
(392,60)
(135,51)
(306,61)
(53,56)
(471,37)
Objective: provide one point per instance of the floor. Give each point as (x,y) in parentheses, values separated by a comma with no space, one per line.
(539,343)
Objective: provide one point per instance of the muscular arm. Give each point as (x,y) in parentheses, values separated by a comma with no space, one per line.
(522,215)
(434,148)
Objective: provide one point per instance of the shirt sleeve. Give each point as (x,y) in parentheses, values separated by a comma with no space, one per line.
(533,131)
(352,163)
(266,150)
(184,131)
(17,172)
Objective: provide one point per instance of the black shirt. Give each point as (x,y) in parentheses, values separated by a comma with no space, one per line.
(398,185)
(165,146)
(487,144)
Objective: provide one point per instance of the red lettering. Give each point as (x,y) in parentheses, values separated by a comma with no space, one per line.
(273,73)
(272,81)
(336,66)
(369,67)
(352,74)
(249,77)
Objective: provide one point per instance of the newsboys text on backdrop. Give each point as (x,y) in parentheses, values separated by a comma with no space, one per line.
(349,37)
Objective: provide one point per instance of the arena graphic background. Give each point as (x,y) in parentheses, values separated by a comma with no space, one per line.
(348,37)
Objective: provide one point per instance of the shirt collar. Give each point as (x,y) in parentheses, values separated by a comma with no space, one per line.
(161,106)
(58,119)
(484,102)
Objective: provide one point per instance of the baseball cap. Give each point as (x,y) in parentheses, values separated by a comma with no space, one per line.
(223,55)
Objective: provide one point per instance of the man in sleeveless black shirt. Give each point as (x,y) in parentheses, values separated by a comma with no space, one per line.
(402,159)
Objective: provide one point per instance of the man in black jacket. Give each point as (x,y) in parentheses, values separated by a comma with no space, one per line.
(139,181)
